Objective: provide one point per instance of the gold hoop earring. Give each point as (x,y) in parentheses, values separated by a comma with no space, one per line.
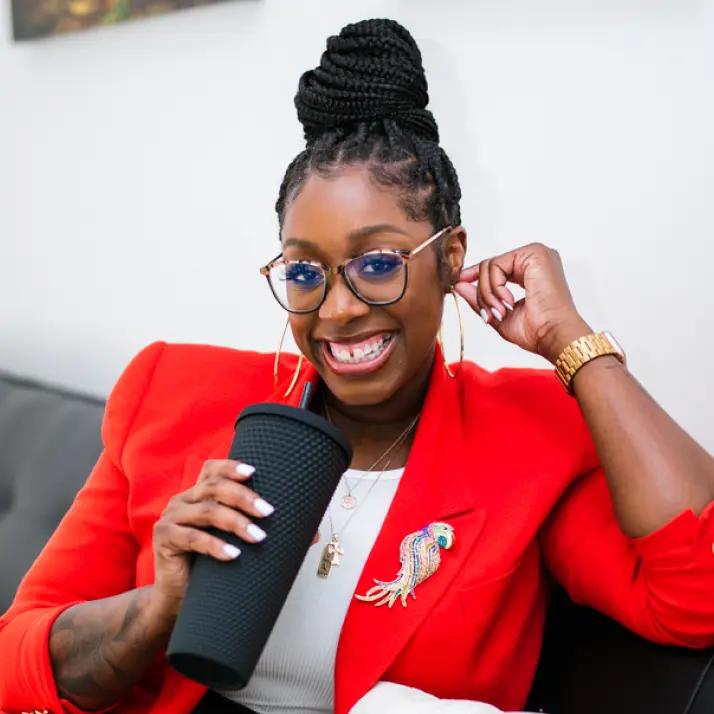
(293,381)
(461,339)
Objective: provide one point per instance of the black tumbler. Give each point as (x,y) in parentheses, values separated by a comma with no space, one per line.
(230,607)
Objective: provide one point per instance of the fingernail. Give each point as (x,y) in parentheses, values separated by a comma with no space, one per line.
(256,532)
(245,470)
(231,551)
(263,506)
(484,316)
(508,305)
(496,314)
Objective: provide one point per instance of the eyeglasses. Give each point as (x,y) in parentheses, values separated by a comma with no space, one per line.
(377,277)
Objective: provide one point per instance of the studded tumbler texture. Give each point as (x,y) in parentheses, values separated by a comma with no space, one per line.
(230,608)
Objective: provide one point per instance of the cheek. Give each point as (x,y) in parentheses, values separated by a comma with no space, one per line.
(301,328)
(421,314)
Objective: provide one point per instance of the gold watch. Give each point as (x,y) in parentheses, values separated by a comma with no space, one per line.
(581,351)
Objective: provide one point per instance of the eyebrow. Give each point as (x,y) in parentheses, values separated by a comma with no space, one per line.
(355,235)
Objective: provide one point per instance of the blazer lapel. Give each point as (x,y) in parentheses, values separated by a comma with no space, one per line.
(432,488)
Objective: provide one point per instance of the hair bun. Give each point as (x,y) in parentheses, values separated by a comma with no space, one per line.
(372,70)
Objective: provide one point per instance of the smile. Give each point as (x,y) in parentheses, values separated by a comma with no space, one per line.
(359,357)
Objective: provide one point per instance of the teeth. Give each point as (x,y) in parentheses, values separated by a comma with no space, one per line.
(365,353)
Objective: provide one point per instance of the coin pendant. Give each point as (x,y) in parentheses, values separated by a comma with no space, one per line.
(348,502)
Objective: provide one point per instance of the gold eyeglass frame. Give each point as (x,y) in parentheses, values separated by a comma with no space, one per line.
(329,270)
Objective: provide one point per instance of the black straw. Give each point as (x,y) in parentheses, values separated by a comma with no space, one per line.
(305,398)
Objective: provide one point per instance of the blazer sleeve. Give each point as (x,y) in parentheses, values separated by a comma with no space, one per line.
(659,585)
(91,555)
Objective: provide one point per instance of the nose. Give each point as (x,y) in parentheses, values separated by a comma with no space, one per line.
(341,305)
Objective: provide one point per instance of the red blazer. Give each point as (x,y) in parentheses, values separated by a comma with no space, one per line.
(504,457)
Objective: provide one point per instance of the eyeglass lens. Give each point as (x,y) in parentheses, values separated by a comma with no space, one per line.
(377,277)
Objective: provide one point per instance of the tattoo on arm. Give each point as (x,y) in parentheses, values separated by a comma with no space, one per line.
(100,649)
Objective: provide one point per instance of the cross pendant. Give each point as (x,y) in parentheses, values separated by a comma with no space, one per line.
(336,551)
(330,556)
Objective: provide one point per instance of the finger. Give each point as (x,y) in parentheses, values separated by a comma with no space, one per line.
(514,263)
(229,468)
(501,294)
(205,514)
(491,277)
(316,538)
(174,539)
(469,292)
(483,310)
(498,279)
(488,301)
(470,274)
(229,493)
(507,298)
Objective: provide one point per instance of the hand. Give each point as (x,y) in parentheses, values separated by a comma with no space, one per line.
(545,320)
(219,499)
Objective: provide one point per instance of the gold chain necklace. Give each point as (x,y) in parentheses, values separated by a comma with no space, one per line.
(333,550)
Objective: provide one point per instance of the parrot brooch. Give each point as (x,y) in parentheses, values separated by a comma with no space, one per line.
(420,557)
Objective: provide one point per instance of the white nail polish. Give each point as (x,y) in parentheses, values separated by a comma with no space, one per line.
(508,305)
(496,314)
(263,507)
(256,532)
(484,316)
(231,551)
(245,470)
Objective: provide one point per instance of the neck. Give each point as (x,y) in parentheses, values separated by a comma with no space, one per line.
(372,428)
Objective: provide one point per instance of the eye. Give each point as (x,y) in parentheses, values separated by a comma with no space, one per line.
(376,266)
(303,275)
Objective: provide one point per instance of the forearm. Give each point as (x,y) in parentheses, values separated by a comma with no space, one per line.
(100,649)
(653,467)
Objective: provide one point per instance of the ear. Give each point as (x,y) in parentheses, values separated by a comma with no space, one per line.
(454,254)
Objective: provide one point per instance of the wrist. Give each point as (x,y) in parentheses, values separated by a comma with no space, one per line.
(160,612)
(557,337)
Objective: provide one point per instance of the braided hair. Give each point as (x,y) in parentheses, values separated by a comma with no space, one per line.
(366,104)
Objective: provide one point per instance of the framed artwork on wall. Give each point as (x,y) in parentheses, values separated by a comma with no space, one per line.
(40,18)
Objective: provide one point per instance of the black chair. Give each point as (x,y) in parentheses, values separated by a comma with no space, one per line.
(49,441)
(590,664)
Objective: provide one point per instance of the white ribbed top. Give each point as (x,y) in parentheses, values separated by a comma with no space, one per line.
(295,672)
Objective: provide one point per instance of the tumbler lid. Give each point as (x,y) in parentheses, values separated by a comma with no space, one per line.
(302,415)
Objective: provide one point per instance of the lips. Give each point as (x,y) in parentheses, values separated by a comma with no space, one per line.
(360,355)
(361,351)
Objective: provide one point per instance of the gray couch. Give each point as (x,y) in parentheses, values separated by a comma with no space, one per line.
(49,441)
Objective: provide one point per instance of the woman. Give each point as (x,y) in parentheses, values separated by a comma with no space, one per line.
(600,484)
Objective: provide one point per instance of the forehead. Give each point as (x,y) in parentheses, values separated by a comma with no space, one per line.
(332,207)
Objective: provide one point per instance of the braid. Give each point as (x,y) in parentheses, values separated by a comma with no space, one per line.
(366,104)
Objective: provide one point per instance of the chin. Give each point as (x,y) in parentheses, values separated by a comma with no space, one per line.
(359,395)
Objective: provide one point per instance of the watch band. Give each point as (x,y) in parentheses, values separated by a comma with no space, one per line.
(581,351)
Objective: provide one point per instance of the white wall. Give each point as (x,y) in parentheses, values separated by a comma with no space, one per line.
(139,165)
